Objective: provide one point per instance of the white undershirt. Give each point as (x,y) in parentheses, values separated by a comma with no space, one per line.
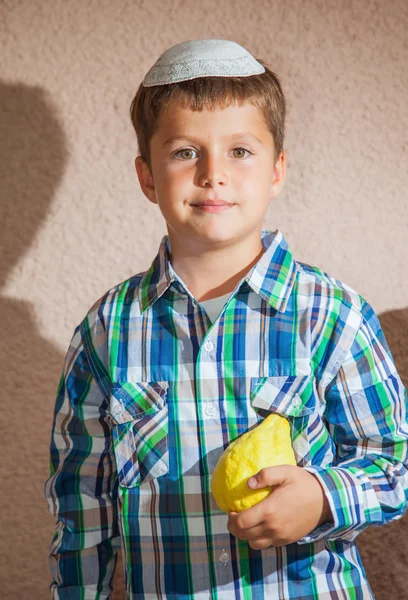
(214,306)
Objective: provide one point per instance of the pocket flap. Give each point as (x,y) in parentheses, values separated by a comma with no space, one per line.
(291,395)
(131,400)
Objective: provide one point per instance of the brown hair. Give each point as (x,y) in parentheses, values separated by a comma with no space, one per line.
(263,91)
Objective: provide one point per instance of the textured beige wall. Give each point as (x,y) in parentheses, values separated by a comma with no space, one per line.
(74,221)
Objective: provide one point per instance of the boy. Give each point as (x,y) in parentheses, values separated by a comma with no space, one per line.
(224,328)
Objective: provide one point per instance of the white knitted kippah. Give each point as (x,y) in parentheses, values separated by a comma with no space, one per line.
(202,58)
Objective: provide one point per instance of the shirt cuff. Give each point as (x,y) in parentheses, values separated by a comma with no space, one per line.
(347,497)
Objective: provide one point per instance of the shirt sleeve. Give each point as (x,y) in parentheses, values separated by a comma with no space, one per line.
(82,486)
(366,403)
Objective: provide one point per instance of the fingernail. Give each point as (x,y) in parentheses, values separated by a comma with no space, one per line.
(252,482)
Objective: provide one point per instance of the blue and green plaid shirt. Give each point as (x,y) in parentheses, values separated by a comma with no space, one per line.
(152,393)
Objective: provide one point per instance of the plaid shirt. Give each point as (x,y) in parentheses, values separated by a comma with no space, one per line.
(152,393)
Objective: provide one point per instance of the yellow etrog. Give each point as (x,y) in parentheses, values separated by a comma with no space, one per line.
(266,445)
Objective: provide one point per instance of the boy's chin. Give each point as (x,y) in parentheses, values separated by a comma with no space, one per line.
(221,234)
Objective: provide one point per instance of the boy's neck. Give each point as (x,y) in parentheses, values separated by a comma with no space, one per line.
(215,272)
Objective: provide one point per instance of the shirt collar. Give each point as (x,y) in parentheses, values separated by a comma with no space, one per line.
(272,277)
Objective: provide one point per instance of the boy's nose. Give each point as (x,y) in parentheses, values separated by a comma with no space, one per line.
(213,170)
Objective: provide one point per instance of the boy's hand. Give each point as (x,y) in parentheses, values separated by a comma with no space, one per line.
(296,506)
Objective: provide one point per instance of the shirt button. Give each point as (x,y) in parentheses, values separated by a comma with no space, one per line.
(118,410)
(208,345)
(296,401)
(210,410)
(224,558)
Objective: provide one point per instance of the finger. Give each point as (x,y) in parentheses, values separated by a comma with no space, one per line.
(255,515)
(243,533)
(270,476)
(260,543)
(233,524)
(252,534)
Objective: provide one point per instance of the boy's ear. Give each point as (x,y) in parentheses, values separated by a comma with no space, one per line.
(279,174)
(145,179)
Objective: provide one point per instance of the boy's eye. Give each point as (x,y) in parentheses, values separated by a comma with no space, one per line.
(242,150)
(186,150)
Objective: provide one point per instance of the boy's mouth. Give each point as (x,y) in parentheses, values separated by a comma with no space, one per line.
(212,205)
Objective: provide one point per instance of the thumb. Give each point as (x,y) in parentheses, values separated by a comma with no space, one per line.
(269,476)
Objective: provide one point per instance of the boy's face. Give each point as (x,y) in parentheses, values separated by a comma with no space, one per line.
(215,157)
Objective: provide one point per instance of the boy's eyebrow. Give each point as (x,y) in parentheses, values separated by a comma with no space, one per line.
(175,137)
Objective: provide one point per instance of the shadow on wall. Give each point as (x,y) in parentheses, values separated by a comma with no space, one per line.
(383,549)
(33,155)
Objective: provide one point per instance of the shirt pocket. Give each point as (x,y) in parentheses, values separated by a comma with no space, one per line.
(293,398)
(139,415)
